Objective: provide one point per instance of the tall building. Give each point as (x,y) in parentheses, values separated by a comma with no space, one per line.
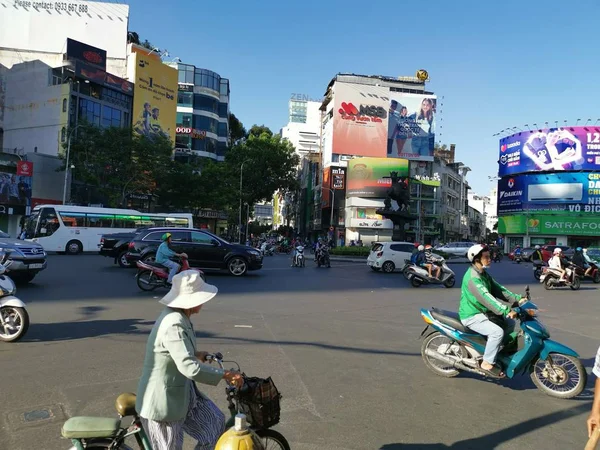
(202,114)
(304,126)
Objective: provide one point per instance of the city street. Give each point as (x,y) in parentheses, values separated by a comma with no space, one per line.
(341,345)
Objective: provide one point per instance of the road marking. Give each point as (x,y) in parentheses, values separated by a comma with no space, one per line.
(242,326)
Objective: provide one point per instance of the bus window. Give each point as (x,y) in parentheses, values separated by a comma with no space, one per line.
(71,219)
(100,220)
(177,222)
(48,223)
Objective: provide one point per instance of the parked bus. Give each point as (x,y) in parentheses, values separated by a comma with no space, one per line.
(76,229)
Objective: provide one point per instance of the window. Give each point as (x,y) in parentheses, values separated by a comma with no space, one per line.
(184,120)
(65,105)
(73,219)
(185,99)
(406,248)
(223,110)
(224,87)
(48,223)
(204,103)
(90,111)
(111,117)
(207,79)
(205,123)
(154,236)
(205,145)
(201,238)
(180,236)
(222,130)
(183,141)
(63,134)
(100,220)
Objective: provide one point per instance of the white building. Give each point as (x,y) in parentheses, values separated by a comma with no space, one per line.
(304,127)
(486,205)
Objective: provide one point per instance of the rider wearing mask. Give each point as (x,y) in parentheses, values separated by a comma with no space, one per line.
(536,256)
(555,263)
(484,307)
(163,255)
(579,261)
(429,262)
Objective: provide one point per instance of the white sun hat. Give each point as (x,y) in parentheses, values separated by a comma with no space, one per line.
(188,291)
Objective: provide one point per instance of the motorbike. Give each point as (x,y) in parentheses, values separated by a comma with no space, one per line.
(299,260)
(538,268)
(420,275)
(323,257)
(555,369)
(266,249)
(497,256)
(152,275)
(261,410)
(594,274)
(407,264)
(14,319)
(551,280)
(518,258)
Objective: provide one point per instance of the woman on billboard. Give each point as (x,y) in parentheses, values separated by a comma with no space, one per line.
(424,119)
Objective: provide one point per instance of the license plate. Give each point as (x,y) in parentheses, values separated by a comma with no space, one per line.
(36,266)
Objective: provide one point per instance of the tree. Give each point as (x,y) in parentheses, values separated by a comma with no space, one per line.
(133,38)
(116,163)
(269,165)
(236,129)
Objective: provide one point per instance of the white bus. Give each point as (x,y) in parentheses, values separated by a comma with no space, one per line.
(76,229)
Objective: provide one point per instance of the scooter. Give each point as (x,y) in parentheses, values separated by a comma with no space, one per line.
(420,275)
(323,257)
(538,268)
(152,275)
(299,260)
(552,280)
(14,319)
(594,274)
(518,258)
(451,348)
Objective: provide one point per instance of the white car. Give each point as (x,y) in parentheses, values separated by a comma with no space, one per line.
(389,256)
(456,248)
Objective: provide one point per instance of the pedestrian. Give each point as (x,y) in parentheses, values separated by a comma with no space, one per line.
(168,400)
(593,422)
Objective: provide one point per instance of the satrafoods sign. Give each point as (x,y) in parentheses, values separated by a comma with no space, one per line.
(550,225)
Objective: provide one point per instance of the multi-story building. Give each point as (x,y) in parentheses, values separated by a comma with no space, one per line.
(454,196)
(202,113)
(486,205)
(304,127)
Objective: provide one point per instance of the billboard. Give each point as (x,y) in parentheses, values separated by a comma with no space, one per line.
(102,77)
(155,98)
(558,193)
(550,225)
(556,149)
(338,178)
(370,177)
(84,52)
(325,194)
(372,121)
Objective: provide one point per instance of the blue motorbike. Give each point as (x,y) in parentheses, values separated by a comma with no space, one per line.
(451,348)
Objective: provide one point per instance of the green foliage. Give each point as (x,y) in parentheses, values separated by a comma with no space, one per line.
(351,251)
(260,130)
(236,129)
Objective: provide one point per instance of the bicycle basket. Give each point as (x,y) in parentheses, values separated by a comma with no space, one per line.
(260,402)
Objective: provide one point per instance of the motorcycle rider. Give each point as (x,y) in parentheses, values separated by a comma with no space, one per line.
(415,252)
(517,252)
(429,262)
(555,264)
(579,261)
(536,256)
(484,307)
(163,255)
(319,245)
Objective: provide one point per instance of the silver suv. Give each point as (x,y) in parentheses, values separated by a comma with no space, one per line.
(456,248)
(28,258)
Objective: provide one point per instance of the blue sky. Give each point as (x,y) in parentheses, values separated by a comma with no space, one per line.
(496,64)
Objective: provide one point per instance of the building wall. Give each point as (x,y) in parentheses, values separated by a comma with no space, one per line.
(34,114)
(47,182)
(303,131)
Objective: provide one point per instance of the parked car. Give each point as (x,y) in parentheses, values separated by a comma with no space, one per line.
(204,249)
(116,246)
(389,256)
(548,249)
(28,258)
(456,248)
(526,253)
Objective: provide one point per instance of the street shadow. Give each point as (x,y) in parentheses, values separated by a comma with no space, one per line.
(89,312)
(493,440)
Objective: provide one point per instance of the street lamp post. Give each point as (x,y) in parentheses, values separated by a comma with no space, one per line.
(64,200)
(240,217)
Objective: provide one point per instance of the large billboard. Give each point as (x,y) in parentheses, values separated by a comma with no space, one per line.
(370,177)
(555,149)
(372,121)
(154,98)
(557,193)
(550,225)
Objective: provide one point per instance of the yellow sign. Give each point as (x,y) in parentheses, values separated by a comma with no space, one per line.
(422,75)
(155,98)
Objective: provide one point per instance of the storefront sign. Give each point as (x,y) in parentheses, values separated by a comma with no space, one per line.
(211,214)
(87,53)
(196,134)
(554,225)
(338,178)
(25,168)
(383,224)
(185,87)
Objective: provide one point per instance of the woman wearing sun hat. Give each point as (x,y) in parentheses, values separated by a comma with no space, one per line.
(168,400)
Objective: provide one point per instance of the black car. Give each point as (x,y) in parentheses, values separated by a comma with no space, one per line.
(204,249)
(116,246)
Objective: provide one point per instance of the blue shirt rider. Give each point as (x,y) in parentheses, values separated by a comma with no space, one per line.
(163,255)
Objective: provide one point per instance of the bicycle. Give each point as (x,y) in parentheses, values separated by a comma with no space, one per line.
(101,433)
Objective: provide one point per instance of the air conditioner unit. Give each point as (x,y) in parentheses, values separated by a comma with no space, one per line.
(555,192)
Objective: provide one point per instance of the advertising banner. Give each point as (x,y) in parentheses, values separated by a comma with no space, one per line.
(372,121)
(370,177)
(338,178)
(550,225)
(15,189)
(325,194)
(558,193)
(87,53)
(155,98)
(570,148)
(99,76)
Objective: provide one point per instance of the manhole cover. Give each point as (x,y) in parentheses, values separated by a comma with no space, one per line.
(38,414)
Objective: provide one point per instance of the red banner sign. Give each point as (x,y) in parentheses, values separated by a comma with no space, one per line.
(25,168)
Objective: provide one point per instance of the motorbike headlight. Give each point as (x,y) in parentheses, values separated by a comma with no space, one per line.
(531,312)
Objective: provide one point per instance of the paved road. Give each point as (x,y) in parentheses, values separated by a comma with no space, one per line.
(340,343)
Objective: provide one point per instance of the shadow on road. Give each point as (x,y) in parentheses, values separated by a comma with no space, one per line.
(492,440)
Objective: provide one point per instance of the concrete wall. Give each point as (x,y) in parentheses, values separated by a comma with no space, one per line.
(33,115)
(47,181)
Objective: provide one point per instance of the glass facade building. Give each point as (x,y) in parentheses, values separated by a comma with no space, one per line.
(202,113)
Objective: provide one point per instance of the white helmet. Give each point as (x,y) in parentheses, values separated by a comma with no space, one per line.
(475,251)
(557,250)
(537,247)
(420,248)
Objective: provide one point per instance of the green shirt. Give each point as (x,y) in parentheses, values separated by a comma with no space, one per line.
(480,294)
